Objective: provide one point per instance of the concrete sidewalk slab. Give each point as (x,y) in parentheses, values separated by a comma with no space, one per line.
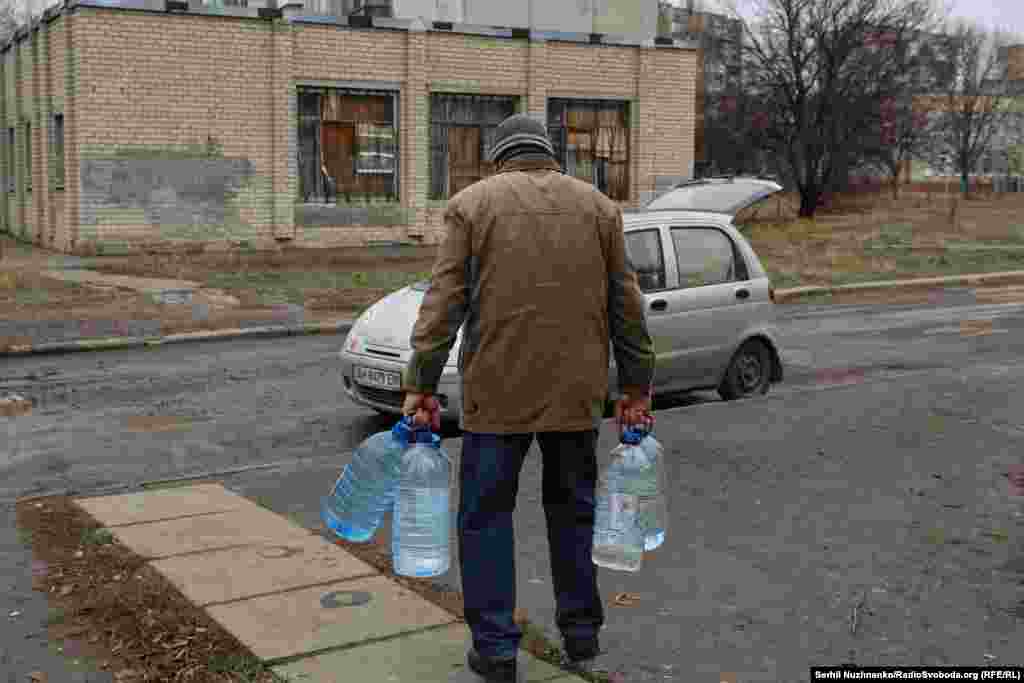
(434,656)
(238,573)
(247,525)
(313,619)
(161,505)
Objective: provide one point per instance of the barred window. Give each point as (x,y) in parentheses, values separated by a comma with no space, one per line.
(348,145)
(591,138)
(462,130)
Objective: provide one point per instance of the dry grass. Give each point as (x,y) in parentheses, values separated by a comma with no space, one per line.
(866,237)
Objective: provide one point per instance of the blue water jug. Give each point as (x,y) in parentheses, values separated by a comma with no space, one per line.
(421,524)
(366,489)
(619,529)
(653,499)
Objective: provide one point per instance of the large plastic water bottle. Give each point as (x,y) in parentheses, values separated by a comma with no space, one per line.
(653,502)
(366,489)
(421,525)
(618,526)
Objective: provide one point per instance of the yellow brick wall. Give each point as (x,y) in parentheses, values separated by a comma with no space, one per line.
(23,112)
(330,53)
(592,70)
(59,236)
(148,83)
(156,84)
(10,210)
(476,64)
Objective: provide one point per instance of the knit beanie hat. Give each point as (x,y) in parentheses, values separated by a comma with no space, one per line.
(517,133)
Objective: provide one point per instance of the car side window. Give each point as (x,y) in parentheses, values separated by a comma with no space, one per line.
(706,256)
(643,248)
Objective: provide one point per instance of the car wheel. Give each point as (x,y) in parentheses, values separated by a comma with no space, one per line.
(749,372)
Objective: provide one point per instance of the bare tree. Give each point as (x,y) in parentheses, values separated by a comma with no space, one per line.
(974,109)
(10,20)
(817,71)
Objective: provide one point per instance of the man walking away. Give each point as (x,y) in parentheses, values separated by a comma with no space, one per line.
(534,264)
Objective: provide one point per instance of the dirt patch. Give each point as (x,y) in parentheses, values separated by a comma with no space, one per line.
(120,614)
(339,282)
(870,237)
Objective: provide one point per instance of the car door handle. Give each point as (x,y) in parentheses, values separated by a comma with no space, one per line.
(659,305)
(742,293)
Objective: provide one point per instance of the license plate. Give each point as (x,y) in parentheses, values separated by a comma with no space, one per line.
(378,378)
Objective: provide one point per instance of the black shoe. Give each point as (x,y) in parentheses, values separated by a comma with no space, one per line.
(580,650)
(492,670)
(584,656)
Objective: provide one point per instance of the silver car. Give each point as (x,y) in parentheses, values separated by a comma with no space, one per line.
(710,306)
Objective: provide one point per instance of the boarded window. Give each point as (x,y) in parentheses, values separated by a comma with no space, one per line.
(348,145)
(462,130)
(57,150)
(591,138)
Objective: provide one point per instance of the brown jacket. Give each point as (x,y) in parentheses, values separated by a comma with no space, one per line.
(534,263)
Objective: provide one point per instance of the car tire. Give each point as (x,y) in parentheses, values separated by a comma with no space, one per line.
(749,372)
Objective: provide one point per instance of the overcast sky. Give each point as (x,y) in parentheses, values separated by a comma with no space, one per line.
(1003,14)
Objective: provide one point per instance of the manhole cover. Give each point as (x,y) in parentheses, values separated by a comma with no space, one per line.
(279,551)
(344,599)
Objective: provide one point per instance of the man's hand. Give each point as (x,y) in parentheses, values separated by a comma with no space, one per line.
(633,411)
(425,408)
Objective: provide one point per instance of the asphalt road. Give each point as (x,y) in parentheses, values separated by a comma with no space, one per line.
(871,477)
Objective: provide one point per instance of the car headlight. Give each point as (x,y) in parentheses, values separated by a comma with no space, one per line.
(355,341)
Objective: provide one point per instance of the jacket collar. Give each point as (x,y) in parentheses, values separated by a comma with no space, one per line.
(529,165)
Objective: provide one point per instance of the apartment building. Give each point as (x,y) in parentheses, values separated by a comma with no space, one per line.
(134,123)
(719,38)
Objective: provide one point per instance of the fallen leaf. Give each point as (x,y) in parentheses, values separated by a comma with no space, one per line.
(37,677)
(626,599)
(67,590)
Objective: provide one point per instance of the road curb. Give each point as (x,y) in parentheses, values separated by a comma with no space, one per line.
(795,293)
(113,343)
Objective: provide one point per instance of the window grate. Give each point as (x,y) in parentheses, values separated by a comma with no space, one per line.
(592,141)
(462,132)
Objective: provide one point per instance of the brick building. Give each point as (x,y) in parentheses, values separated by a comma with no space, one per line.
(139,122)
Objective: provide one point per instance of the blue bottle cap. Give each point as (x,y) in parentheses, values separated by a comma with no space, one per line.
(425,436)
(402,428)
(633,436)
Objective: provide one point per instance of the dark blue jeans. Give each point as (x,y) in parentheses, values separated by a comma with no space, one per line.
(489,479)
